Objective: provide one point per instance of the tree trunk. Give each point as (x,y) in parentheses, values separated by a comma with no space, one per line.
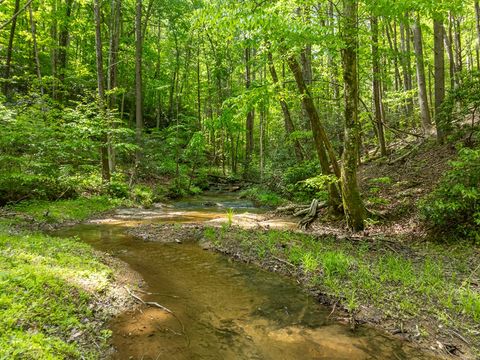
(6,85)
(352,203)
(199,90)
(289,126)
(250,115)
(322,143)
(101,90)
(421,80)
(115,9)
(63,38)
(477,20)
(448,38)
(406,63)
(439,60)
(376,87)
(138,81)
(35,48)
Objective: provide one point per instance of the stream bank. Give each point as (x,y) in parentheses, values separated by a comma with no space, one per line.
(395,288)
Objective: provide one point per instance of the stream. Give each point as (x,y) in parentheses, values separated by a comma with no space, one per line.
(229,310)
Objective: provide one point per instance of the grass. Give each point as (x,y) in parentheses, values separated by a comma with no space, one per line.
(262,197)
(48,290)
(65,210)
(431,279)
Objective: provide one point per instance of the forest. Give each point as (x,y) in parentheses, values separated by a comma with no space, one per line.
(352,125)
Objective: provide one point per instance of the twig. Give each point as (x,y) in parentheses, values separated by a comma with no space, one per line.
(158,294)
(403,157)
(152,303)
(460,337)
(333,310)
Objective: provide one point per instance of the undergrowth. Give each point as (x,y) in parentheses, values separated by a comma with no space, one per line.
(436,280)
(48,287)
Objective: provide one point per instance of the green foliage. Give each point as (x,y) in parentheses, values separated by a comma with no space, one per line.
(399,283)
(48,287)
(65,210)
(230,214)
(142,195)
(455,204)
(262,197)
(47,151)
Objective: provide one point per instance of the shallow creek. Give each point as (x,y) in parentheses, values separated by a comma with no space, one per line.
(229,310)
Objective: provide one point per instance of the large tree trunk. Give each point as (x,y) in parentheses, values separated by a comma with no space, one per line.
(138,81)
(6,84)
(326,154)
(421,80)
(289,126)
(376,87)
(439,60)
(101,90)
(352,203)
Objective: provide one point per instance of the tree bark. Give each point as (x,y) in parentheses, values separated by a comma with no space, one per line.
(35,48)
(376,74)
(448,38)
(326,154)
(138,81)
(250,115)
(406,63)
(439,60)
(477,20)
(101,90)
(115,8)
(6,85)
(352,203)
(63,38)
(289,126)
(421,80)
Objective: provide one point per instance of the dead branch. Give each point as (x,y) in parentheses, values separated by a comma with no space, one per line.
(403,157)
(311,214)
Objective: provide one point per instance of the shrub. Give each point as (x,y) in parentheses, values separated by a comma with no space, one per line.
(455,203)
(143,195)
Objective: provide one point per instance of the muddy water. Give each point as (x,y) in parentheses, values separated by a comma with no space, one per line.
(223,309)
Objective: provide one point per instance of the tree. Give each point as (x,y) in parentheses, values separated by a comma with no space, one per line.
(101,89)
(6,84)
(439,50)
(377,95)
(138,80)
(352,202)
(421,80)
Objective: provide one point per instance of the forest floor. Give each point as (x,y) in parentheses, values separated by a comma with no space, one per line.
(395,275)
(57,295)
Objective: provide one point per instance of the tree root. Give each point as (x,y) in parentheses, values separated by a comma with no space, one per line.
(310,213)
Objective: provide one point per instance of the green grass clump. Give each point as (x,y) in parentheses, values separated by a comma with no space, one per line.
(47,287)
(429,278)
(66,210)
(262,197)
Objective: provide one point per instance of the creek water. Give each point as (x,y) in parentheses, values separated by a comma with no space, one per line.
(223,309)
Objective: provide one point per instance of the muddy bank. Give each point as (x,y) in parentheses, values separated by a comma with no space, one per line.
(421,328)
